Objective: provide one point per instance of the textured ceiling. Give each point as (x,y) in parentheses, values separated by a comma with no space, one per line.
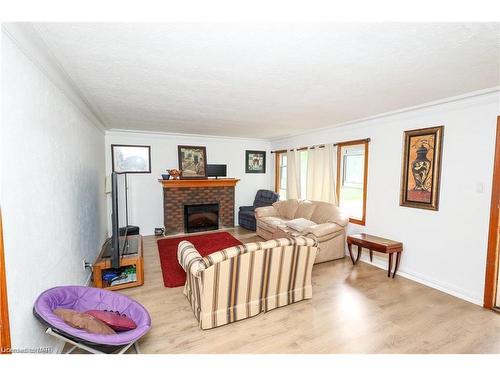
(268,80)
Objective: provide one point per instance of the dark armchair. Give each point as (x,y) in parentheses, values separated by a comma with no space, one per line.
(246,215)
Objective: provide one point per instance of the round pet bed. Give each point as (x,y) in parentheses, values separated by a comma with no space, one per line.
(81,298)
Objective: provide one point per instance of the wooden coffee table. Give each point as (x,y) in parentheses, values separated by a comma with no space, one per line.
(374,243)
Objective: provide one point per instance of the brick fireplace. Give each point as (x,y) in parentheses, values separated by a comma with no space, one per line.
(179,193)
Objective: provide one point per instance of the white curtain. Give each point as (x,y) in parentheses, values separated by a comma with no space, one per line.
(292,175)
(321,170)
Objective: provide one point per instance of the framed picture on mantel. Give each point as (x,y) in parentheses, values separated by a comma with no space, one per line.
(421,168)
(192,161)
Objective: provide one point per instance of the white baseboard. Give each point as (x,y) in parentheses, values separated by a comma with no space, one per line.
(427,281)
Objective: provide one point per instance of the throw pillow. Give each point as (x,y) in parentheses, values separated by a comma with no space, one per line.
(287,208)
(299,224)
(83,321)
(114,320)
(305,210)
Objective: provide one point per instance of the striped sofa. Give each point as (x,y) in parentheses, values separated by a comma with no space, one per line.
(245,280)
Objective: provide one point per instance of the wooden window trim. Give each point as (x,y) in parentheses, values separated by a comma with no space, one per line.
(365,175)
(277,170)
(4,309)
(491,277)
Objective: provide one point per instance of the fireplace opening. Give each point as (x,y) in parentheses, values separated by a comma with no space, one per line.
(201,217)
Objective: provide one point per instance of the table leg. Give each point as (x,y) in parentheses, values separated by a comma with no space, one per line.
(398,257)
(371,255)
(349,246)
(390,265)
(359,254)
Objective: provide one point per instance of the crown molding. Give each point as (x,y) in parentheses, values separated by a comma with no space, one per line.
(146,133)
(32,45)
(354,123)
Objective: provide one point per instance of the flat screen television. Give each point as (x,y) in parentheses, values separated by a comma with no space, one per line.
(117,244)
(216,170)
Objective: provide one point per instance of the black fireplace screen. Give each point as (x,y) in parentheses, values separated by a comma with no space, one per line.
(201,217)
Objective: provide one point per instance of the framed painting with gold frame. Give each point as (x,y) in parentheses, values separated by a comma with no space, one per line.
(421,170)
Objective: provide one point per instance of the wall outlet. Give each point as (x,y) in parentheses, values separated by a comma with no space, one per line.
(86,264)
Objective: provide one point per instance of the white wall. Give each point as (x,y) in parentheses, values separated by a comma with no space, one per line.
(52,194)
(444,249)
(145,192)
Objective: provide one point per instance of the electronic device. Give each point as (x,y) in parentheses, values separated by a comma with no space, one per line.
(118,245)
(216,170)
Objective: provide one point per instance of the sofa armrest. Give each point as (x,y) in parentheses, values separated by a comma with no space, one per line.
(320,230)
(189,258)
(246,208)
(266,211)
(342,220)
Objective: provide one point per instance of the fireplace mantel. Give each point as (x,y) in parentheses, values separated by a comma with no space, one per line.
(201,183)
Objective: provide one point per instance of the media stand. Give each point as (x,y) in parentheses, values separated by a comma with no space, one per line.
(132,260)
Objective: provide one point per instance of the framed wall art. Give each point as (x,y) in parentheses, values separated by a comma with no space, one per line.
(192,161)
(255,161)
(131,158)
(421,168)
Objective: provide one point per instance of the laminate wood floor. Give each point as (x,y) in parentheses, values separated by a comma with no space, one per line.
(353,310)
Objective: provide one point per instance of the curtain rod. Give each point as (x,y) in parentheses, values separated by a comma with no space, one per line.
(347,143)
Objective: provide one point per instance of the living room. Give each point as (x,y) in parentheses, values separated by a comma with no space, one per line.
(168,189)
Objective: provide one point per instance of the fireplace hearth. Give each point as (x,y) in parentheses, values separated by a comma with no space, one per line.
(201,217)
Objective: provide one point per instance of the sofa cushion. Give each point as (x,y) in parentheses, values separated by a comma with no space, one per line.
(305,210)
(77,319)
(287,208)
(114,320)
(300,224)
(325,229)
(270,223)
(326,213)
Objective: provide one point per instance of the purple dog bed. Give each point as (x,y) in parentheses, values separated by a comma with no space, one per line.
(83,298)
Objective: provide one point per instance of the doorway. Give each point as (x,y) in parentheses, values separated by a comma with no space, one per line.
(492,281)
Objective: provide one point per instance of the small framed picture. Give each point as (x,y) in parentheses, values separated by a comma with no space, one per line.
(131,158)
(255,161)
(192,161)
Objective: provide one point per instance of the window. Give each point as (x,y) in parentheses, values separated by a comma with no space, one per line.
(281,164)
(352,172)
(281,174)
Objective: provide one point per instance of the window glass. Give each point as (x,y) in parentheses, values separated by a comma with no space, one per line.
(351,189)
(282,175)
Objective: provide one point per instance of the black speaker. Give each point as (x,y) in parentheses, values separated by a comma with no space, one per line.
(130,230)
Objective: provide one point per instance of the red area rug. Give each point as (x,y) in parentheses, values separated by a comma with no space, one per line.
(173,274)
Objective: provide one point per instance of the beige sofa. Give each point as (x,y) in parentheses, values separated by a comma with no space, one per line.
(329,229)
(242,281)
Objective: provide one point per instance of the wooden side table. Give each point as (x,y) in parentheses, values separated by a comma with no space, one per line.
(374,243)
